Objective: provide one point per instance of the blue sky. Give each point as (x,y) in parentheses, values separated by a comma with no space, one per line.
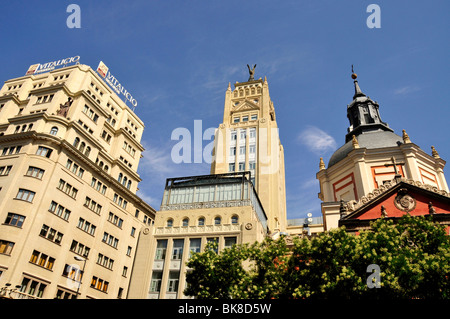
(177,57)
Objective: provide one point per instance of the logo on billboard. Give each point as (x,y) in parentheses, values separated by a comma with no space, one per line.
(102,69)
(49,66)
(104,72)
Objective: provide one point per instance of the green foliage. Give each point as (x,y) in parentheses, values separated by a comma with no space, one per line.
(413,255)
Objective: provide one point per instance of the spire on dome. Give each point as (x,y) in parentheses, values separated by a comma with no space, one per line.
(363,114)
(358,91)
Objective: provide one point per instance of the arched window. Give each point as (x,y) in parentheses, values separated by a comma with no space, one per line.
(76,142)
(129,184)
(30,126)
(169,222)
(217,220)
(234,219)
(82,146)
(125,179)
(201,221)
(54,130)
(120,177)
(88,151)
(185,222)
(17,129)
(106,168)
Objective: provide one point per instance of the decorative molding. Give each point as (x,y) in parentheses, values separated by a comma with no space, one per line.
(218,204)
(353,205)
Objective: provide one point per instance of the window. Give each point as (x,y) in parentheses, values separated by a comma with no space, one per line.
(129,251)
(155,285)
(233,150)
(234,220)
(172,285)
(72,272)
(133,231)
(51,234)
(110,240)
(4,170)
(79,249)
(194,245)
(86,226)
(245,118)
(252,132)
(169,223)
(44,151)
(243,134)
(42,260)
(217,220)
(201,221)
(242,166)
(93,205)
(251,165)
(254,117)
(230,241)
(252,149)
(105,261)
(236,120)
(231,167)
(35,172)
(161,246)
(32,287)
(67,188)
(25,195)
(6,247)
(233,135)
(99,284)
(14,220)
(185,222)
(177,250)
(241,150)
(112,218)
(54,130)
(59,210)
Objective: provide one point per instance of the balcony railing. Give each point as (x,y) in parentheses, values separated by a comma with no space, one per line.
(197,229)
(8,293)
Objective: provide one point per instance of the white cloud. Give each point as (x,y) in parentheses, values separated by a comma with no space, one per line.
(406,90)
(317,140)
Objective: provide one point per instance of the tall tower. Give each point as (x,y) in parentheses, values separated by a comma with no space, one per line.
(248,140)
(372,156)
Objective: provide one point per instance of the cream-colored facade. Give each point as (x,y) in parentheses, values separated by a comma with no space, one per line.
(195,210)
(69,153)
(248,140)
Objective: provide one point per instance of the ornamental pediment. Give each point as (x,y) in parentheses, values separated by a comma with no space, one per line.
(245,105)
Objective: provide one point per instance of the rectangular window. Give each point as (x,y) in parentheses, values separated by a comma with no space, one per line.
(254,117)
(245,118)
(25,195)
(236,120)
(231,167)
(241,167)
(4,170)
(14,220)
(252,149)
(6,247)
(233,150)
(243,134)
(35,172)
(233,135)
(252,132)
(194,245)
(172,285)
(44,151)
(177,251)
(241,150)
(155,285)
(161,247)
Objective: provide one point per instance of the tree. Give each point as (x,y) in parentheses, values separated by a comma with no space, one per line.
(413,255)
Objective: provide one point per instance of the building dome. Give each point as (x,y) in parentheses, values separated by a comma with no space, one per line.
(369,140)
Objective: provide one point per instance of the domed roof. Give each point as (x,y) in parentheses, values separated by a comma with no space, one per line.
(369,140)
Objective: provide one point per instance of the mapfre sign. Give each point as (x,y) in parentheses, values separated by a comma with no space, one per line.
(49,66)
(103,71)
